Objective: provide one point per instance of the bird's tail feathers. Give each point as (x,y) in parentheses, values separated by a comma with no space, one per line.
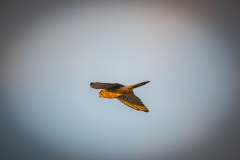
(138,85)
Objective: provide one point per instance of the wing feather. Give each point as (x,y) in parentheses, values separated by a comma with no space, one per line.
(107,86)
(133,101)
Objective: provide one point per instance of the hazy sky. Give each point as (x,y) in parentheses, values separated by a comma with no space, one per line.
(54,60)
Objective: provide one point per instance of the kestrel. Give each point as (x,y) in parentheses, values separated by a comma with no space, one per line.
(123,93)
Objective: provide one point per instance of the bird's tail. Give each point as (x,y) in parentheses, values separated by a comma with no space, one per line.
(138,85)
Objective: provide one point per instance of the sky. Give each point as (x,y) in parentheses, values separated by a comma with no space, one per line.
(53,61)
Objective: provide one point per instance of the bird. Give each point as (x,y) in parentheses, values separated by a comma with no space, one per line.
(123,93)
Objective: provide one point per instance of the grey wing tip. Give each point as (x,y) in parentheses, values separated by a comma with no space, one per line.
(143,110)
(92,83)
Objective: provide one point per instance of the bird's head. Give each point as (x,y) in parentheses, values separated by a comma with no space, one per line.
(101,94)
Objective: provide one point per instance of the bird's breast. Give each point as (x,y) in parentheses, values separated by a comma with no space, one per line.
(108,94)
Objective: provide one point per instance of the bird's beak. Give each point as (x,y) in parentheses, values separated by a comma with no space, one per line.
(99,96)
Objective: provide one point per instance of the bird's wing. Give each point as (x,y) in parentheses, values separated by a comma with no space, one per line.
(107,86)
(133,101)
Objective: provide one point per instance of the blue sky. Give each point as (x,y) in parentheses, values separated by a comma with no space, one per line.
(53,62)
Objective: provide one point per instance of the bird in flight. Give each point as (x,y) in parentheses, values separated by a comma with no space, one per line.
(123,93)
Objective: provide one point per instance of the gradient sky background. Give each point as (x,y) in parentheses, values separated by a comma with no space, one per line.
(52,61)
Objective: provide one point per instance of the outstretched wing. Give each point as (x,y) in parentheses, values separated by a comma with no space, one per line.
(107,86)
(133,101)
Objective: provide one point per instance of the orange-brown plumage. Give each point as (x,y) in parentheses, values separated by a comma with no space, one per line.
(107,94)
(123,93)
